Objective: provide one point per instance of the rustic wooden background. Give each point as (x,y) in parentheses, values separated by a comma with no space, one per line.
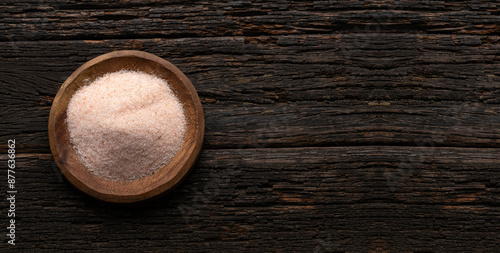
(331,126)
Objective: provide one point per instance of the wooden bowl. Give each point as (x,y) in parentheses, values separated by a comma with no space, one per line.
(153,185)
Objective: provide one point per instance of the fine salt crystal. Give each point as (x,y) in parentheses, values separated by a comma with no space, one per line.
(125,125)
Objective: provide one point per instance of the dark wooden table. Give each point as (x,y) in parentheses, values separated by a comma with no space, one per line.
(331,126)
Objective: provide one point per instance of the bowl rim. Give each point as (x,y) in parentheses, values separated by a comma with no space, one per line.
(159,190)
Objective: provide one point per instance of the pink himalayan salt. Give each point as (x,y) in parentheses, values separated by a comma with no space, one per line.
(125,125)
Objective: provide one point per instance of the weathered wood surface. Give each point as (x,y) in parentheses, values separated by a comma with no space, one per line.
(334,199)
(54,19)
(283,91)
(331,126)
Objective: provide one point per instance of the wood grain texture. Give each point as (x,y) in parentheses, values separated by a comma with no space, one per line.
(55,20)
(281,91)
(331,126)
(332,199)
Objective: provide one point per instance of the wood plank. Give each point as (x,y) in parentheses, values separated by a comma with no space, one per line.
(93,19)
(339,199)
(283,91)
(332,126)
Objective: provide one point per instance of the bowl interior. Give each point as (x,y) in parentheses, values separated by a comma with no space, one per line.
(149,186)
